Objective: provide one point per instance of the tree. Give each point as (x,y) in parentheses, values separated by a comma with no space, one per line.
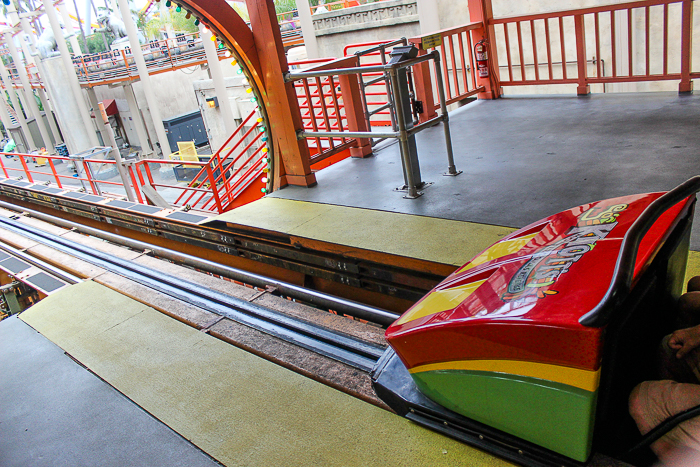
(177,21)
(95,44)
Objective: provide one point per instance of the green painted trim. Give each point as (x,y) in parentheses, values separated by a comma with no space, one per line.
(552,415)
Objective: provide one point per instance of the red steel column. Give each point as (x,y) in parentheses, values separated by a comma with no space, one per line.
(280,97)
(686,85)
(583,88)
(481,10)
(423,82)
(352,100)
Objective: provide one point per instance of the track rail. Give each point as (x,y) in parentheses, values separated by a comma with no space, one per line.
(332,344)
(389,282)
(312,297)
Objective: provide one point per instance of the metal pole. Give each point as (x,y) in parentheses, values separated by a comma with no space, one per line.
(313,297)
(7,82)
(389,94)
(349,134)
(80,23)
(68,24)
(29,48)
(104,37)
(139,124)
(144,76)
(70,70)
(107,130)
(403,136)
(451,170)
(307,28)
(217,77)
(5,117)
(29,94)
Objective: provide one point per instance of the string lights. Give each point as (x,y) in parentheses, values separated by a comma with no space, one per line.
(267,160)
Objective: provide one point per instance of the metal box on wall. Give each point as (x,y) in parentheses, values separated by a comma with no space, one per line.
(186,127)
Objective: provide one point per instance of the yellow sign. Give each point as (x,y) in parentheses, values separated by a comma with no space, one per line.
(431,41)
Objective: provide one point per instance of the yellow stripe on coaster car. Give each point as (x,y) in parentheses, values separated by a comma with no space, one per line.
(498,250)
(576,377)
(439,301)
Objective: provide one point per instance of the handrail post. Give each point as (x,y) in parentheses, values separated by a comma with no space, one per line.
(2,166)
(481,11)
(91,178)
(686,85)
(26,169)
(214,188)
(134,182)
(55,174)
(423,83)
(354,113)
(583,88)
(403,138)
(451,169)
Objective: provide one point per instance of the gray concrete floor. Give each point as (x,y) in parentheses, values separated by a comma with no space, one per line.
(55,413)
(525,158)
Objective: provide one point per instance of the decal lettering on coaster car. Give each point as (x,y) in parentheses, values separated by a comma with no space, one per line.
(546,266)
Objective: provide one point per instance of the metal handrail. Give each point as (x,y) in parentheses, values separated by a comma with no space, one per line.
(623,275)
(404,131)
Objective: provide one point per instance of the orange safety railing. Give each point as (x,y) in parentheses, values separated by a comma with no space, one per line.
(140,174)
(458,63)
(632,38)
(88,176)
(376,91)
(165,55)
(323,107)
(240,161)
(214,185)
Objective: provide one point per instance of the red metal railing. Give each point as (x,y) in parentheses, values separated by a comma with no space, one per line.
(140,174)
(536,49)
(376,94)
(457,60)
(165,55)
(238,163)
(323,108)
(88,177)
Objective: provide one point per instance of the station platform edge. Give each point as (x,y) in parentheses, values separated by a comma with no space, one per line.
(237,407)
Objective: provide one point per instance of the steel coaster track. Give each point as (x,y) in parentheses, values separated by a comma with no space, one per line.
(332,344)
(309,296)
(399,282)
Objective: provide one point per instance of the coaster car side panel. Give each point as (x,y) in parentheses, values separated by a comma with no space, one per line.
(500,342)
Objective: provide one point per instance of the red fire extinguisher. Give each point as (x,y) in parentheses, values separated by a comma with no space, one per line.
(482,58)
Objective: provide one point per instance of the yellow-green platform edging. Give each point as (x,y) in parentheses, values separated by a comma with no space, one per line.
(239,408)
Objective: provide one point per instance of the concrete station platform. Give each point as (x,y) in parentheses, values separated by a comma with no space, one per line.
(54,412)
(235,406)
(430,239)
(524,159)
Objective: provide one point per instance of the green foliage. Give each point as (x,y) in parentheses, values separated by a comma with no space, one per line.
(283,6)
(9,103)
(37,100)
(177,21)
(95,44)
(242,11)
